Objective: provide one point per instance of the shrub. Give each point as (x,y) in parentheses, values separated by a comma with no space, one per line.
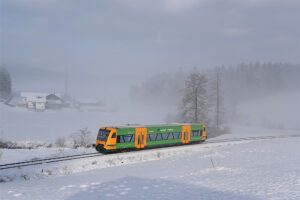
(82,138)
(60,142)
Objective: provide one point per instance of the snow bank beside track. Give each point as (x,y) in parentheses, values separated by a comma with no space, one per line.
(105,161)
(247,170)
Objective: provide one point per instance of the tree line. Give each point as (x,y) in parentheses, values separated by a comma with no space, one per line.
(254,80)
(207,96)
(5,84)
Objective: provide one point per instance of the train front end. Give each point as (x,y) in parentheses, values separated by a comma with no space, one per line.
(106,140)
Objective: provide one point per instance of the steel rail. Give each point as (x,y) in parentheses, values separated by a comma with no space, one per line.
(47,160)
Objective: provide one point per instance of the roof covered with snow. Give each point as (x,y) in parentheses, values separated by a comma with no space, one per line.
(36,96)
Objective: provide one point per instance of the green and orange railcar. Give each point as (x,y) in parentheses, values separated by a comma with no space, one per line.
(114,139)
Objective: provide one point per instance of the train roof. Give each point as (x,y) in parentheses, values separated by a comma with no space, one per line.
(154,125)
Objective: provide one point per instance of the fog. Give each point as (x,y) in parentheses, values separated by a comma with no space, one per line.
(138,37)
(135,55)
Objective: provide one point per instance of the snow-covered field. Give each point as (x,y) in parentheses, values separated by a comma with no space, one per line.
(265,169)
(19,124)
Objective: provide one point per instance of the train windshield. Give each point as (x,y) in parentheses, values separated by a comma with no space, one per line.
(103,134)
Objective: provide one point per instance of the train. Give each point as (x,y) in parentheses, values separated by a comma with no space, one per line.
(137,137)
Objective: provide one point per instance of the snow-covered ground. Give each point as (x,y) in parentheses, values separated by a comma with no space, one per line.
(265,169)
(19,124)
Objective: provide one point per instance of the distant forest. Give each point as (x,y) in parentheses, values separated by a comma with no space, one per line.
(255,80)
(239,83)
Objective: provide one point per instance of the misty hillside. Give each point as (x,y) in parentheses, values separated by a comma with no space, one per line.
(256,80)
(81,85)
(163,88)
(240,83)
(266,86)
(27,78)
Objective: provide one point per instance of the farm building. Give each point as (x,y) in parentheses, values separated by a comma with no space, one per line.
(54,101)
(41,101)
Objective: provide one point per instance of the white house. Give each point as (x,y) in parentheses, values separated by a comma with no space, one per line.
(40,101)
(34,101)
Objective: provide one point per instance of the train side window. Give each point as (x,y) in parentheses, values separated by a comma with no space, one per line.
(177,135)
(114,135)
(127,138)
(158,137)
(165,136)
(152,137)
(172,135)
(169,136)
(195,133)
(161,137)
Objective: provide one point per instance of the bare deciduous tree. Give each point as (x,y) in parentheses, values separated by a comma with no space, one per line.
(194,106)
(60,142)
(82,138)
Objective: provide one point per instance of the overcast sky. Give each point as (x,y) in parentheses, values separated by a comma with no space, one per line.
(143,36)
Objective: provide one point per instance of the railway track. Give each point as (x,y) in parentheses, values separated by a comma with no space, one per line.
(251,138)
(47,160)
(89,155)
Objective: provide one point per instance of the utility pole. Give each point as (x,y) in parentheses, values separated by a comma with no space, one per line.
(66,83)
(196,104)
(1,121)
(218,99)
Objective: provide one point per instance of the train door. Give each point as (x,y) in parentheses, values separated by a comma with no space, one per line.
(140,138)
(186,134)
(204,133)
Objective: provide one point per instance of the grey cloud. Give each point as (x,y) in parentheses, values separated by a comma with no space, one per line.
(139,36)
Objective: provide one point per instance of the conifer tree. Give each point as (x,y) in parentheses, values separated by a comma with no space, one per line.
(5,83)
